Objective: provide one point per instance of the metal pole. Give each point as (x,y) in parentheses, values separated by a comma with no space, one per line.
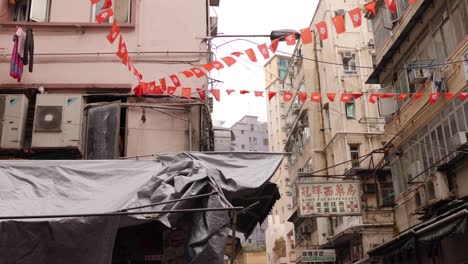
(168,202)
(233,244)
(119,213)
(190,128)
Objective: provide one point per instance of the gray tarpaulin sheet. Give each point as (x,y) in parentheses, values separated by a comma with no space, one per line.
(30,187)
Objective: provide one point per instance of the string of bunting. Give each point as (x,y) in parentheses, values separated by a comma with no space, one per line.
(163,88)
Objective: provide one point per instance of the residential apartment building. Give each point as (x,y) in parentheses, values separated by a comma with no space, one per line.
(250,135)
(223,137)
(77,101)
(330,141)
(423,48)
(280,232)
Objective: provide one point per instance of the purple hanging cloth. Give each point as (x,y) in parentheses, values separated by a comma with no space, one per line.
(16,64)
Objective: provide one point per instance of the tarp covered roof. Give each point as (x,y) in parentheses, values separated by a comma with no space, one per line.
(32,188)
(451,222)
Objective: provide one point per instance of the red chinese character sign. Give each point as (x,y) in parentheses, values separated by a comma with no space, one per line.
(329,198)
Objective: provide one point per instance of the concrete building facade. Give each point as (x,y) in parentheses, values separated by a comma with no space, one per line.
(426,46)
(280,232)
(329,141)
(250,135)
(73,56)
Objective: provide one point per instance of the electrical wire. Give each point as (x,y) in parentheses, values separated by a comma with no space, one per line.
(340,64)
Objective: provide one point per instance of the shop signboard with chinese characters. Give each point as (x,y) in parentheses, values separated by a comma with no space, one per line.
(318,255)
(329,198)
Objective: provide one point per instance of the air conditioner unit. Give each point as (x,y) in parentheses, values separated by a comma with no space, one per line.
(419,75)
(13,113)
(57,121)
(459,141)
(213,26)
(347,55)
(420,199)
(436,188)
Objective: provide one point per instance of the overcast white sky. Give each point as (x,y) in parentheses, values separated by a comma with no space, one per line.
(251,17)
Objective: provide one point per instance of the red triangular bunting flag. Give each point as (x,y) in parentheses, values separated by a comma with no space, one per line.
(201,94)
(218,65)
(373,98)
(291,39)
(187,74)
(315,97)
(114,33)
(107,4)
(137,91)
(237,53)
(302,97)
(95,2)
(251,54)
(216,94)
(104,16)
(287,96)
(356,16)
(449,96)
(230,91)
(122,51)
(274,45)
(162,81)
(338,22)
(129,65)
(463,96)
(356,95)
(271,95)
(199,73)
(331,96)
(244,91)
(171,90)
(402,96)
(154,89)
(137,74)
(387,95)
(322,30)
(258,93)
(371,7)
(412,1)
(346,98)
(208,66)
(391,4)
(417,96)
(264,51)
(433,97)
(306,36)
(187,92)
(175,80)
(229,61)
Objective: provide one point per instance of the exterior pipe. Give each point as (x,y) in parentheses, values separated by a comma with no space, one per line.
(119,213)
(443,221)
(190,129)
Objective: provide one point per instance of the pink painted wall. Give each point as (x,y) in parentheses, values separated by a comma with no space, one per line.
(160,26)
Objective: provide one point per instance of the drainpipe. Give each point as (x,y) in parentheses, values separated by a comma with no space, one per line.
(330,225)
(190,128)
